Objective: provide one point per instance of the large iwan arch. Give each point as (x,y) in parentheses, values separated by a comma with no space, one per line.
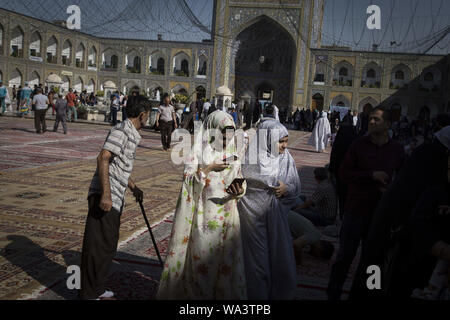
(265,52)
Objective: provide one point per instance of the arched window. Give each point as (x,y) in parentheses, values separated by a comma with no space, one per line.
(110,60)
(35,45)
(16,47)
(202,65)
(399,75)
(343,72)
(92,58)
(133,62)
(114,61)
(137,64)
(78,87)
(15,78)
(66,53)
(320,73)
(185,67)
(52,49)
(34,79)
(79,56)
(160,66)
(90,87)
(181,64)
(371,73)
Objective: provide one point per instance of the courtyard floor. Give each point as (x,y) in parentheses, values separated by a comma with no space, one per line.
(44,181)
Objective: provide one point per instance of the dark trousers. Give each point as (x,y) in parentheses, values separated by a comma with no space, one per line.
(353,230)
(166,133)
(39,120)
(62,119)
(101,236)
(114,115)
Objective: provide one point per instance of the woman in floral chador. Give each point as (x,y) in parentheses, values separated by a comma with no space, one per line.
(205,251)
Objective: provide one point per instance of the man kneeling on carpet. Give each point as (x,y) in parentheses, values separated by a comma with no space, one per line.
(106,200)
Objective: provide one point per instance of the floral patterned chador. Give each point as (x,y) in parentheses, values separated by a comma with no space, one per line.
(205,251)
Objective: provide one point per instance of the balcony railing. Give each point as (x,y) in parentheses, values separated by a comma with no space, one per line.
(52,59)
(79,64)
(133,70)
(398,86)
(376,85)
(17,53)
(109,68)
(65,61)
(342,83)
(156,72)
(181,73)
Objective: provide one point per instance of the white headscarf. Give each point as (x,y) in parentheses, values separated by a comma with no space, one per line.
(443,136)
(205,149)
(264,164)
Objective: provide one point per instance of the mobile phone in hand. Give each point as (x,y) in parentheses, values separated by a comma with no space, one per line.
(230,159)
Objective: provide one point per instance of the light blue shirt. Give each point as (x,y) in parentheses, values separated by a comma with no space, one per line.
(26,93)
(3,91)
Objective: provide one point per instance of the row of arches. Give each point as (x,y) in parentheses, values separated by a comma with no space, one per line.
(49,52)
(16,79)
(180,64)
(371,75)
(109,86)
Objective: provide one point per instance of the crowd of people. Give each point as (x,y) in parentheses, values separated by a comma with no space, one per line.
(241,227)
(40,100)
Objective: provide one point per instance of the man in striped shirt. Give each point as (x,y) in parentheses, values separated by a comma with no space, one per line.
(106,200)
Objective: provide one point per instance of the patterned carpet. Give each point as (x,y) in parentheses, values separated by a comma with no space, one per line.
(43,187)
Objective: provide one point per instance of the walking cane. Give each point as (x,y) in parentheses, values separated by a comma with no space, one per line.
(151,233)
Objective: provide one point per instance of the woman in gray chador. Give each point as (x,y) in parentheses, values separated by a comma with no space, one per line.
(273,187)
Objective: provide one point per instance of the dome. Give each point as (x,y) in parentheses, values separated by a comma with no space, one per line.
(54,78)
(223,91)
(109,84)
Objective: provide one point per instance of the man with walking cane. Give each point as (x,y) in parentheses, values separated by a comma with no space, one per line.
(106,200)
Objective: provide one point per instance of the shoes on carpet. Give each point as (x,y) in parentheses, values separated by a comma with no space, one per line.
(107,295)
